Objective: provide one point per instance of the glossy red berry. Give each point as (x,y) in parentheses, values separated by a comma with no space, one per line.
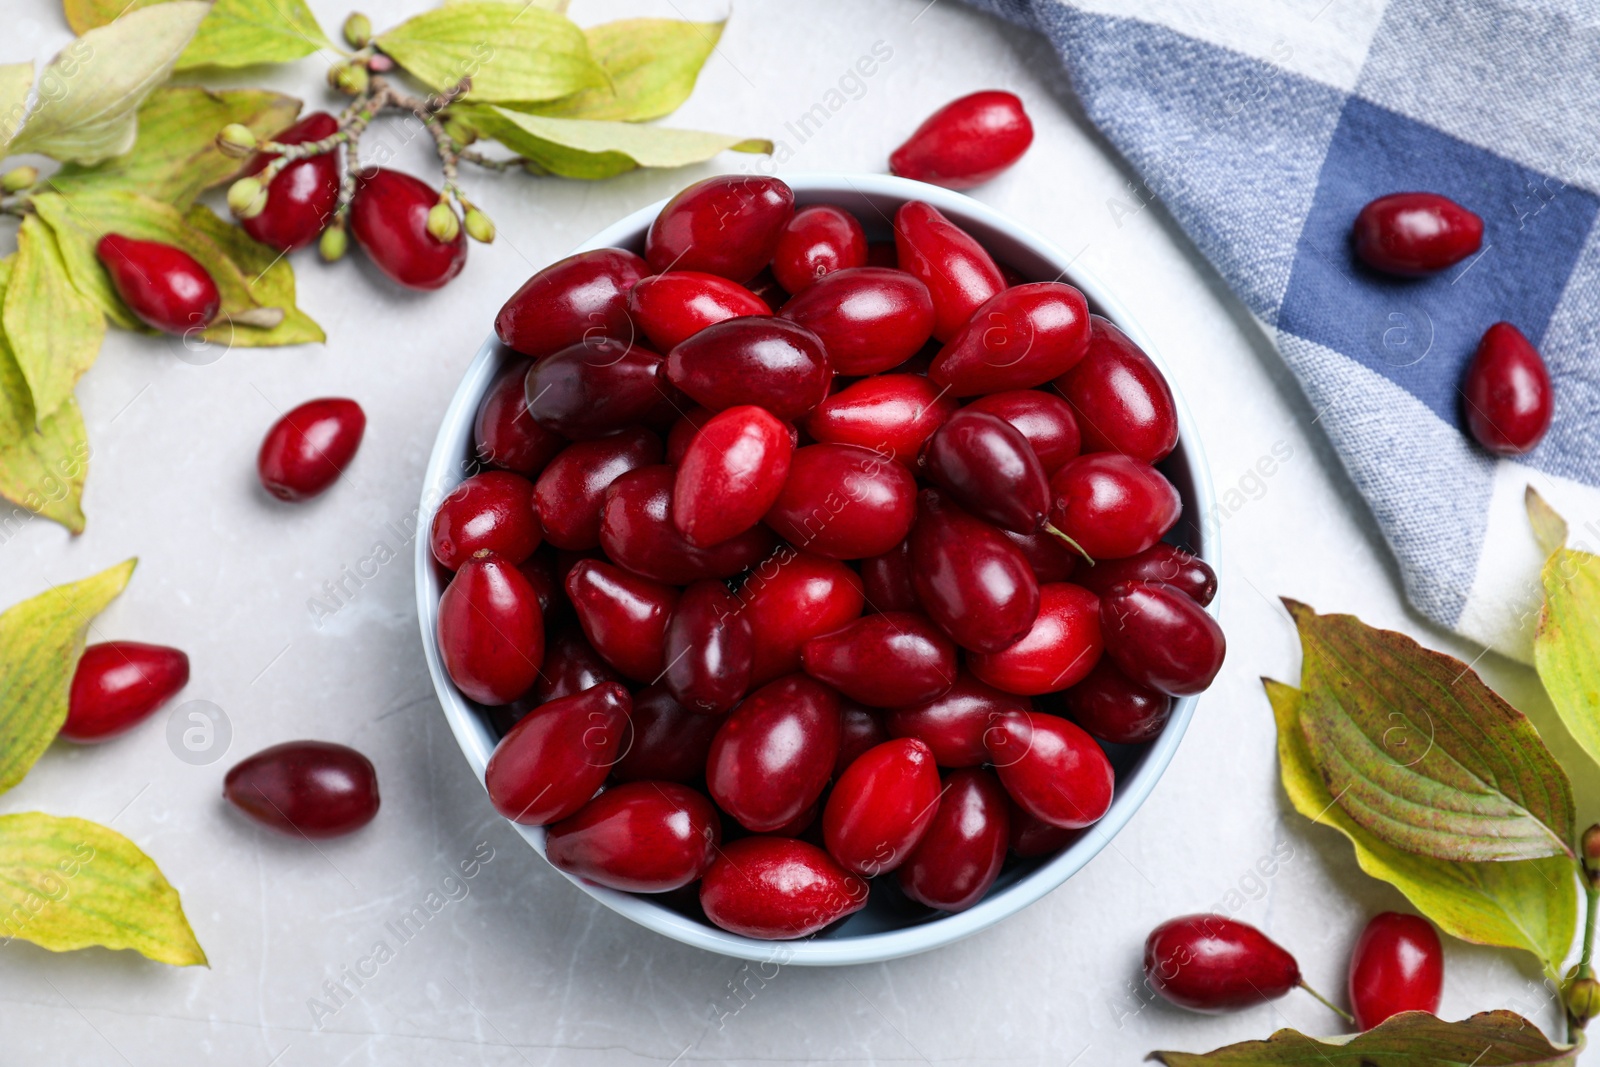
(960,855)
(817,241)
(581,297)
(959,274)
(491,631)
(860,728)
(489,512)
(1051,558)
(953,725)
(307,449)
(557,756)
(594,388)
(1161,562)
(973,582)
(571,665)
(884,660)
(986,464)
(772,363)
(310,789)
(892,414)
(731,474)
(1112,506)
(1161,638)
(966,142)
(1022,337)
(844,502)
(727,225)
(1397,965)
(1415,234)
(1059,650)
(881,807)
(1032,837)
(666,742)
(710,649)
(791,597)
(778,888)
(505,434)
(117,685)
(870,319)
(886,580)
(1122,400)
(164,286)
(641,837)
(1111,707)
(302,198)
(624,616)
(571,491)
(1051,767)
(670,308)
(1211,963)
(389,220)
(1506,395)
(774,753)
(636,531)
(1045,421)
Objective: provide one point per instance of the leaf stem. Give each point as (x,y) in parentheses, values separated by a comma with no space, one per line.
(1330,1005)
(1050,529)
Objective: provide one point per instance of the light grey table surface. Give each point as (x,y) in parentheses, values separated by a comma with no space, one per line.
(524,968)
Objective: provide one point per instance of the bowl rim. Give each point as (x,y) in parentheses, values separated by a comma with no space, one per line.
(445,470)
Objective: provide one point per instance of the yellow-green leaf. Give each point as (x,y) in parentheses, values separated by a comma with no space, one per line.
(511,52)
(89,95)
(42,467)
(1567,648)
(584,148)
(241,33)
(1528,904)
(652,63)
(15,81)
(1420,752)
(176,156)
(40,642)
(558,6)
(81,221)
(271,280)
(69,883)
(85,15)
(54,330)
(1549,528)
(1410,1039)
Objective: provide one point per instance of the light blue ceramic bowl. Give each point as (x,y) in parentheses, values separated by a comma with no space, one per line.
(890,926)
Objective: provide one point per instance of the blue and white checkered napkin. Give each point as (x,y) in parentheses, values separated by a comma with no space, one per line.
(1265,125)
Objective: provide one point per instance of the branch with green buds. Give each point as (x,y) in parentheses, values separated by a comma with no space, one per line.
(374,94)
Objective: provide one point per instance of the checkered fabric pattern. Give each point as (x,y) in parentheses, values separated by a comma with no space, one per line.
(1265,125)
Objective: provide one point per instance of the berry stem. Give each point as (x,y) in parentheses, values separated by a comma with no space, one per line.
(1050,529)
(1330,1005)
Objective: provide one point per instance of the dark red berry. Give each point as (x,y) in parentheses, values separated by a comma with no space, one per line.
(1415,234)
(778,888)
(1112,506)
(671,308)
(727,225)
(768,362)
(1507,396)
(164,286)
(389,220)
(960,855)
(1019,338)
(1112,707)
(305,788)
(489,512)
(505,434)
(581,297)
(1211,963)
(1122,401)
(302,198)
(557,756)
(881,807)
(641,837)
(1160,562)
(306,450)
(491,631)
(870,319)
(1161,638)
(816,242)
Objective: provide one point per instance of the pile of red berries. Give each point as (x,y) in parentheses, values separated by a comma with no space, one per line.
(798,578)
